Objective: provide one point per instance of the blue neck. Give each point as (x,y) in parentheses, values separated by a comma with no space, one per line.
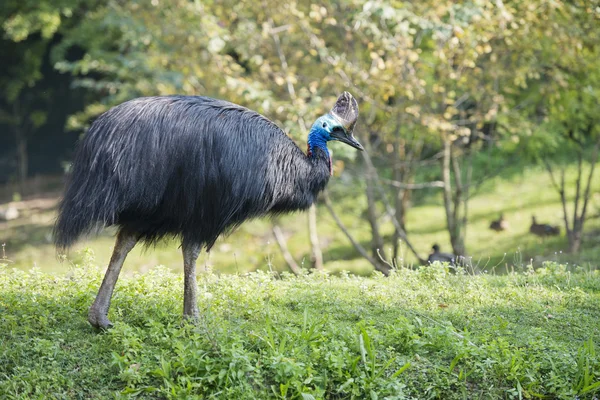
(316,138)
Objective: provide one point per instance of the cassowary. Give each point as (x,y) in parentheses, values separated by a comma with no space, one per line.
(500,224)
(436,255)
(543,229)
(190,167)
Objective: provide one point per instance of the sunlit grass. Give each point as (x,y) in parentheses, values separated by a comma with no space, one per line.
(417,334)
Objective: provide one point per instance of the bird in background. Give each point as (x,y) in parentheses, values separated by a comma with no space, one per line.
(543,230)
(500,224)
(437,255)
(189,167)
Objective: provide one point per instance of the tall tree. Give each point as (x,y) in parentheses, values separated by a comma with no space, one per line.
(30,32)
(568,105)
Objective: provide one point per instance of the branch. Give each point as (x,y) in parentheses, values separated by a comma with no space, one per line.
(571,135)
(413,186)
(578,189)
(447,193)
(457,172)
(383,259)
(468,178)
(459,186)
(428,161)
(284,250)
(279,29)
(313,235)
(356,245)
(563,200)
(551,172)
(461,99)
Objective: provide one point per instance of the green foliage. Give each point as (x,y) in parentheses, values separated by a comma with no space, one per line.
(530,335)
(31,25)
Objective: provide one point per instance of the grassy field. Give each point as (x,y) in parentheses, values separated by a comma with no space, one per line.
(518,195)
(420,334)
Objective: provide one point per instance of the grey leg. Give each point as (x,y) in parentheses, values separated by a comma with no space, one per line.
(97,315)
(190,301)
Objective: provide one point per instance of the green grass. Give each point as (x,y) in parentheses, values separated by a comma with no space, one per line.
(418,334)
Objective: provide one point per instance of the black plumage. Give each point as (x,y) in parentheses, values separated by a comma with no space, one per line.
(189,166)
(437,255)
(192,167)
(543,229)
(500,224)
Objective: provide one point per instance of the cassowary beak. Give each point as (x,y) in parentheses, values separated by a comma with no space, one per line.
(345,111)
(351,141)
(343,137)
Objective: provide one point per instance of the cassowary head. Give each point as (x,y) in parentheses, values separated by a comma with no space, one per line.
(338,124)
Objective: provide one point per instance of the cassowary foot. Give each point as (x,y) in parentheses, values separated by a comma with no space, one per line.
(98,319)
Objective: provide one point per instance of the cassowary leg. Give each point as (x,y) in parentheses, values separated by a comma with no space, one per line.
(97,315)
(190,301)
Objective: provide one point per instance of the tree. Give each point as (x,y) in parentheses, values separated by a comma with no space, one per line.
(30,32)
(564,103)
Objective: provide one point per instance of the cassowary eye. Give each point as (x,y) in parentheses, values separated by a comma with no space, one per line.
(324,124)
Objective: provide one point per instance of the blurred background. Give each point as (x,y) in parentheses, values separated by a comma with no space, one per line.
(476,116)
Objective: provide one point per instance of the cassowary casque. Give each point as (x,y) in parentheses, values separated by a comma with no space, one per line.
(192,167)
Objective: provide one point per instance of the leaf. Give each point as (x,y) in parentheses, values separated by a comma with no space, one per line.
(401,370)
(345,385)
(591,388)
(455,361)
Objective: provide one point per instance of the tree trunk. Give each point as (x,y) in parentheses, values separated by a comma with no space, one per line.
(575,241)
(560,188)
(317,254)
(576,235)
(401,195)
(453,198)
(575,228)
(446,178)
(402,200)
(465,205)
(458,241)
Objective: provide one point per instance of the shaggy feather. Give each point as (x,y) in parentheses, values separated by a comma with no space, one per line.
(184,166)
